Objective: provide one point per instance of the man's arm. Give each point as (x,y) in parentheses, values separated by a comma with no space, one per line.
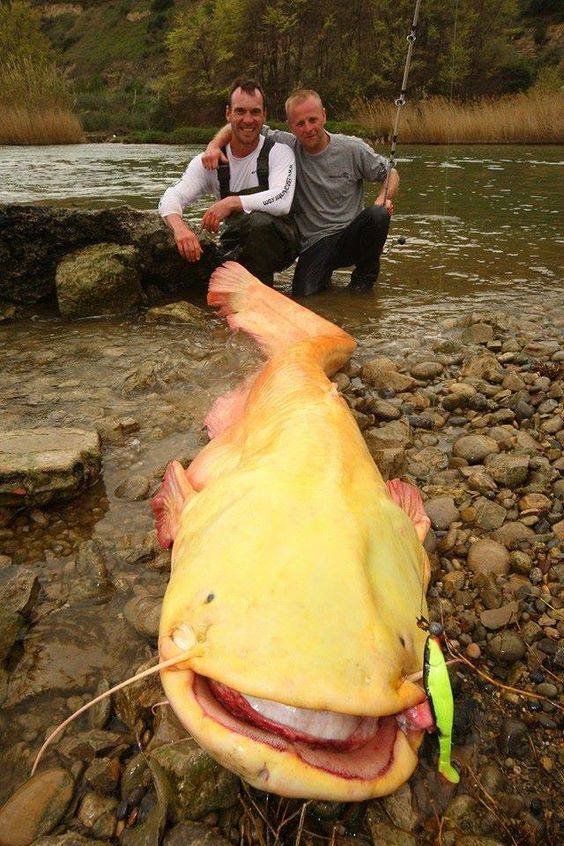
(194,184)
(277,199)
(393,185)
(374,167)
(212,155)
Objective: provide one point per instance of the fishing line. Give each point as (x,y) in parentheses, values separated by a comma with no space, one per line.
(449,137)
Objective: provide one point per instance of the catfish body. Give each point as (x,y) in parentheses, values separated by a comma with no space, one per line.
(298,571)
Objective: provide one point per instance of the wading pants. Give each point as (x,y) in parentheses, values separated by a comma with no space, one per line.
(359,244)
(262,243)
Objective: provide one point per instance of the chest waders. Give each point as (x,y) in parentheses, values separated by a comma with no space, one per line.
(261,242)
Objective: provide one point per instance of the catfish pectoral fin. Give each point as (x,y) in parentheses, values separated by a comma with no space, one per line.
(168,503)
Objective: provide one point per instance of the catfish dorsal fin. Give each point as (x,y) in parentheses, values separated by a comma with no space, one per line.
(409,498)
(168,503)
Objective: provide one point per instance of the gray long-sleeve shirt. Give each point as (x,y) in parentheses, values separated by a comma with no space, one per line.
(329,185)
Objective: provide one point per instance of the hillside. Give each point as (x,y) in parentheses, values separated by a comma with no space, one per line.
(115,53)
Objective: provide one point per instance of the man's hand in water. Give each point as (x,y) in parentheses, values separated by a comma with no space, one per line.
(187,243)
(213,156)
(219,211)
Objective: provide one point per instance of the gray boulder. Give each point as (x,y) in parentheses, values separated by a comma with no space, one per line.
(38,466)
(99,280)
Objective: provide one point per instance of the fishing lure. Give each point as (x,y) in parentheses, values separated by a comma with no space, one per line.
(436,682)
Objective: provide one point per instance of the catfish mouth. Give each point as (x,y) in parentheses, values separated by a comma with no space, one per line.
(347,746)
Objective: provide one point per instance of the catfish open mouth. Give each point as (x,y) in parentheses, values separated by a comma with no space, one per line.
(348,746)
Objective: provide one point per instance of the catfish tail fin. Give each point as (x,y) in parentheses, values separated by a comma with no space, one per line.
(275,321)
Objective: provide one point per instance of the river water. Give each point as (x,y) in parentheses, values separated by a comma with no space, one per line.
(481,233)
(481,223)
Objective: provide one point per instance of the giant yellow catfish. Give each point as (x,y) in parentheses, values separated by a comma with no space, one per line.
(297,573)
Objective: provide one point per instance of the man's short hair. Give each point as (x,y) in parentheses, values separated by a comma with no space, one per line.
(246,84)
(299,96)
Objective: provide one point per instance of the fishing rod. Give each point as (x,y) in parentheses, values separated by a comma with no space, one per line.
(400,101)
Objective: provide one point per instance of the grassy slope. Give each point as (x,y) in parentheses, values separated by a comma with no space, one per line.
(115,61)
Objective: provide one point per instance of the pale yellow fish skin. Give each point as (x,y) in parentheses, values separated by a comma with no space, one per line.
(315,573)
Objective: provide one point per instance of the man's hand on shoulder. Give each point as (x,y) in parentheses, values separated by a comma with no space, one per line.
(219,211)
(186,242)
(213,156)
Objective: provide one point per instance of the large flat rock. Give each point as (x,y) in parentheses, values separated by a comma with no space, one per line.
(39,466)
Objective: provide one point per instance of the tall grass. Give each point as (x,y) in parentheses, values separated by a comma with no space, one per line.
(532,117)
(35,104)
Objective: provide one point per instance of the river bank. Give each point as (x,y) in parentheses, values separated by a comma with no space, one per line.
(468,408)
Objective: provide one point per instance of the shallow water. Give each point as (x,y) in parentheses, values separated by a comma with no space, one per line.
(481,223)
(481,232)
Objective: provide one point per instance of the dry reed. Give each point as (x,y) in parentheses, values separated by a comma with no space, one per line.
(24,126)
(533,117)
(35,104)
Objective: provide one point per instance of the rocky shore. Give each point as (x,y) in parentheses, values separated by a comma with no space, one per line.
(473,416)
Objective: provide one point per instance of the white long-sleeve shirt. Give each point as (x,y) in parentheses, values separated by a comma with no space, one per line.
(198,182)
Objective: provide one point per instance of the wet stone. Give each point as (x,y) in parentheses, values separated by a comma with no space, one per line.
(36,807)
(513,739)
(441,511)
(386,834)
(101,279)
(496,618)
(510,471)
(399,808)
(178,312)
(474,448)
(194,834)
(70,838)
(97,813)
(86,745)
(18,597)
(39,466)
(512,534)
(489,515)
(200,785)
(143,613)
(134,488)
(426,370)
(507,647)
(384,410)
(103,775)
(378,374)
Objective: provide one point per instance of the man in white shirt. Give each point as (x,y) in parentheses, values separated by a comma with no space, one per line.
(255,185)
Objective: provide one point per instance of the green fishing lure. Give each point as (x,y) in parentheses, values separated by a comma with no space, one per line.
(439,692)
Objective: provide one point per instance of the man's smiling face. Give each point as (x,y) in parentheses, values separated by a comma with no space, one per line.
(306,120)
(246,115)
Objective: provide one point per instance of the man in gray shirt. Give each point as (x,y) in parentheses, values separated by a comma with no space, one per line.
(335,229)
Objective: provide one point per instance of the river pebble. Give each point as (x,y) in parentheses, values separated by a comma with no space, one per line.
(36,807)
